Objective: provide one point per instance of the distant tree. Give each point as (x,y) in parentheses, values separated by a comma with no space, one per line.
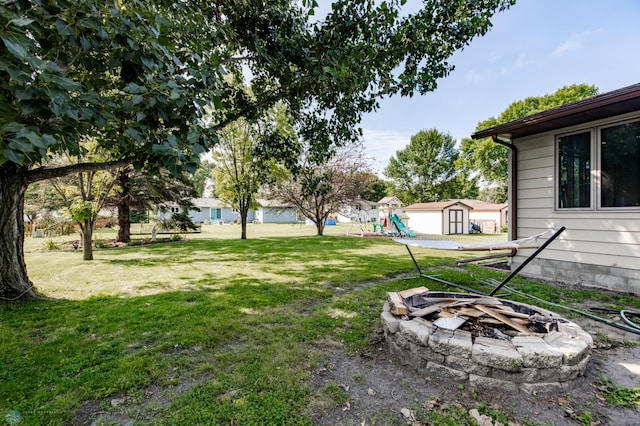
(179,221)
(426,169)
(320,188)
(491,159)
(243,160)
(137,190)
(493,194)
(41,200)
(85,194)
(372,188)
(201,179)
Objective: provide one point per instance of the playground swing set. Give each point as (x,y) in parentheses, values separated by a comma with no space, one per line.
(382,229)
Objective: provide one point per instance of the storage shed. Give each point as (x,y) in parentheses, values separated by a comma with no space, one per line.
(439,218)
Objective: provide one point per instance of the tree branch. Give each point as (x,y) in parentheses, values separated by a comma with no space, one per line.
(43,173)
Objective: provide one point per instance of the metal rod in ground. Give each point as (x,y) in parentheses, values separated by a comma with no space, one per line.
(414,260)
(491,256)
(527,260)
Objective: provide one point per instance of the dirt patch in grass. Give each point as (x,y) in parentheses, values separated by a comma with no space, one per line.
(373,387)
(380,389)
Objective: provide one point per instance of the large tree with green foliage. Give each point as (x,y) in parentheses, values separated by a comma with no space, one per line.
(425,170)
(491,159)
(240,166)
(137,74)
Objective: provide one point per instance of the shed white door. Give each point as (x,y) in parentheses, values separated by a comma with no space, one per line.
(456,221)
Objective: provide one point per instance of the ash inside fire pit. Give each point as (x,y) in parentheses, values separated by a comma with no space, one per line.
(481,315)
(485,340)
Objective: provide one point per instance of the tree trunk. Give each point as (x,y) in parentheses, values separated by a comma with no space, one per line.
(320,226)
(243,221)
(14,282)
(87,239)
(124,223)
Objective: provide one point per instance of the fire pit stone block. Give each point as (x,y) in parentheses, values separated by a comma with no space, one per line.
(415,331)
(467,365)
(536,352)
(442,371)
(497,354)
(572,372)
(460,344)
(574,330)
(439,340)
(482,382)
(573,349)
(390,322)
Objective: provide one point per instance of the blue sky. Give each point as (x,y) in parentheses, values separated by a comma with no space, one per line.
(533,49)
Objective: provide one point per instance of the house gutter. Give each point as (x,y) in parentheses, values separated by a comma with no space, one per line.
(512,184)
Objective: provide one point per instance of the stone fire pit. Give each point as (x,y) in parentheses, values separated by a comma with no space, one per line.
(485,342)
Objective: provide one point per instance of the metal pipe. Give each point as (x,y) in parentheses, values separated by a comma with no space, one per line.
(414,260)
(527,260)
(513,188)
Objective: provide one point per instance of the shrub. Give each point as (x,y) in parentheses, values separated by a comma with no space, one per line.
(51,245)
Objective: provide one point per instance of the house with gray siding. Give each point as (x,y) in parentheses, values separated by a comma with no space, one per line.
(578,166)
(213,210)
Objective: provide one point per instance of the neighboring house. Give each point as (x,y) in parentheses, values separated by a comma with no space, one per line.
(215,211)
(275,212)
(439,218)
(578,166)
(490,217)
(359,210)
(212,210)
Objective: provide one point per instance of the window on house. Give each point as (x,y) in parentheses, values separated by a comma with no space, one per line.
(574,154)
(216,214)
(620,165)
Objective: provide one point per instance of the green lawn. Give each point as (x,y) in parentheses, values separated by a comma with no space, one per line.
(213,330)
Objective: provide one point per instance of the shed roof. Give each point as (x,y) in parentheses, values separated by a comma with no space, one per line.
(605,105)
(436,206)
(482,205)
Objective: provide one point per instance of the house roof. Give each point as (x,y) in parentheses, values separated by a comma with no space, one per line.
(605,105)
(363,203)
(217,203)
(207,202)
(436,206)
(483,206)
(273,203)
(390,200)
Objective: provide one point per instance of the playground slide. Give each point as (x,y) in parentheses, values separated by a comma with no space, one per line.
(401,228)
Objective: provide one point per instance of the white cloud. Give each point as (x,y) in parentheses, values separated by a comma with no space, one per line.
(521,61)
(574,42)
(382,144)
(567,46)
(475,75)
